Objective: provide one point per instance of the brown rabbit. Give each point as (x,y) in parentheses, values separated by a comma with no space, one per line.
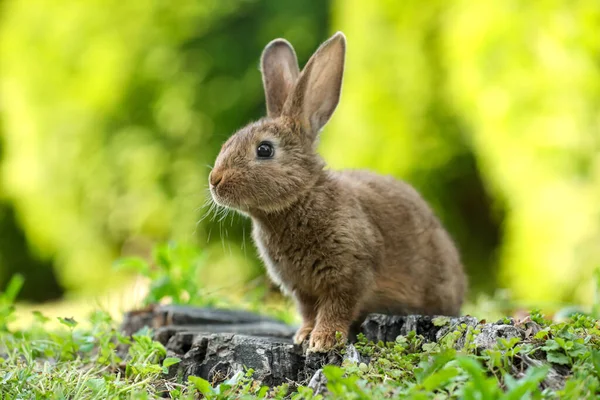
(342,244)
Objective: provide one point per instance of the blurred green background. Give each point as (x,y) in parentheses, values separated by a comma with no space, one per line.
(111,113)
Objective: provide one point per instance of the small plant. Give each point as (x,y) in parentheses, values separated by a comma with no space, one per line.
(7,299)
(239,386)
(174,275)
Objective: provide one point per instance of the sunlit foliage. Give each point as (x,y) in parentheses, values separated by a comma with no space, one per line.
(112,111)
(494,98)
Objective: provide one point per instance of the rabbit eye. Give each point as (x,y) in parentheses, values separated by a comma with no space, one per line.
(265,150)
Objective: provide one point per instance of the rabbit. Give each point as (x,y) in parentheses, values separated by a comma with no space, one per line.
(342,244)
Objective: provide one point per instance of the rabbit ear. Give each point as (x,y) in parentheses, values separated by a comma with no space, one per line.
(279,67)
(317,92)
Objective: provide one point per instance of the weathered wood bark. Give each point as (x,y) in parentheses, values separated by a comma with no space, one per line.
(216,344)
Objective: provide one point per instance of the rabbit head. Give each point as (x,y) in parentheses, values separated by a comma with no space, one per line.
(267,164)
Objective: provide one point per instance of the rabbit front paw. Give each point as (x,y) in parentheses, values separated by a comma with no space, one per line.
(302,334)
(325,340)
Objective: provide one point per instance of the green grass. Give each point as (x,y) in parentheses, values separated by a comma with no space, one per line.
(68,359)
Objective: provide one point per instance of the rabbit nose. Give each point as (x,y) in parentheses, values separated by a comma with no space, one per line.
(215,178)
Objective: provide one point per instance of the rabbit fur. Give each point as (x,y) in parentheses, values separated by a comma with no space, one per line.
(342,244)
